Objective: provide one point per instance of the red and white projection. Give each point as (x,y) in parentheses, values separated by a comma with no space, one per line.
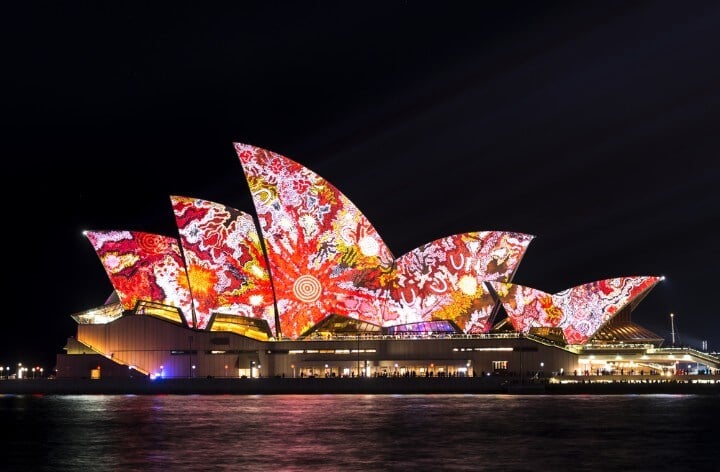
(444,279)
(579,311)
(324,255)
(144,266)
(224,260)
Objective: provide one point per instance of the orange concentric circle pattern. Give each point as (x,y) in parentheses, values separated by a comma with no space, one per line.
(307,288)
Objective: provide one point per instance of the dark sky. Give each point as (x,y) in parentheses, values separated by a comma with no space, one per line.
(592,125)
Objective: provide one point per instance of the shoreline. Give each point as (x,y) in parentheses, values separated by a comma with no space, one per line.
(334,386)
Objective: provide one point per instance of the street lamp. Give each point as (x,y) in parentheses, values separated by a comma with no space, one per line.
(672,328)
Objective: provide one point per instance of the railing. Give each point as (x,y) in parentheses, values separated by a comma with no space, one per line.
(704,356)
(407,336)
(617,347)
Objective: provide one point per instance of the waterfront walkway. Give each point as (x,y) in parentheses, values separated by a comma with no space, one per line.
(705,384)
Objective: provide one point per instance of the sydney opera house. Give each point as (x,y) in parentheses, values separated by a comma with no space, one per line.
(307,287)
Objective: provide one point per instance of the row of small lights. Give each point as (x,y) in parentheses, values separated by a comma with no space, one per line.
(20,369)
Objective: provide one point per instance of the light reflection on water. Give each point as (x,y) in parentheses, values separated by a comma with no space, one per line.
(359,432)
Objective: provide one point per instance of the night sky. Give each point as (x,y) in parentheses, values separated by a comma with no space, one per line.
(592,125)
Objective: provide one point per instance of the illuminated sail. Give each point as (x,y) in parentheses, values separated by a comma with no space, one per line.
(444,279)
(579,311)
(224,259)
(324,255)
(144,267)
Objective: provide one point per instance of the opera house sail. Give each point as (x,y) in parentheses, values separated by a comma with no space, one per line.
(225,264)
(578,311)
(145,267)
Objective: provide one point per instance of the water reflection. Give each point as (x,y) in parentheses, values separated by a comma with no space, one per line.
(359,432)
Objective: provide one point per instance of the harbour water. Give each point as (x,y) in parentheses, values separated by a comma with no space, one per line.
(360,432)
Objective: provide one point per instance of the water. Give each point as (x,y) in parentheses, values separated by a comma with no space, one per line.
(360,433)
